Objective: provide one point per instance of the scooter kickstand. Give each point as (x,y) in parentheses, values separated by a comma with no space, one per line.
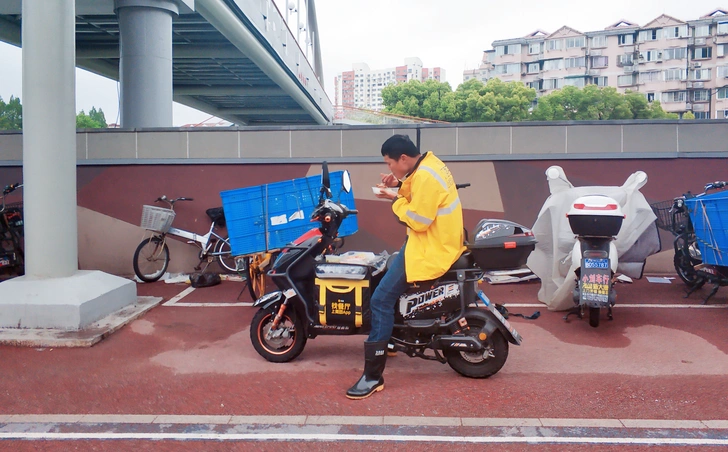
(573,311)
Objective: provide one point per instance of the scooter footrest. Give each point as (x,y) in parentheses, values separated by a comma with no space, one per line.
(422,324)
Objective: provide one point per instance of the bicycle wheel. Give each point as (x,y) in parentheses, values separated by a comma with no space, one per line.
(151,259)
(686,258)
(258,266)
(225,256)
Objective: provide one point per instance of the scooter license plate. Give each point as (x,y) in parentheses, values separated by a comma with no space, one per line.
(596,263)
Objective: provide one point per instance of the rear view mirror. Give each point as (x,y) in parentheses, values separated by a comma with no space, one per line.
(346,181)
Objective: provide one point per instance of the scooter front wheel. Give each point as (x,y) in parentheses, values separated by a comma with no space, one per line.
(284,343)
(484,363)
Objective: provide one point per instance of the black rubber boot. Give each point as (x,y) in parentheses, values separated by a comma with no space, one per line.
(375,358)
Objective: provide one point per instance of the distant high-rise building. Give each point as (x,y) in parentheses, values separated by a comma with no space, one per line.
(362,87)
(684,65)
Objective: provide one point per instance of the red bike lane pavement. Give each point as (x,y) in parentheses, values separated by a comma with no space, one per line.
(192,358)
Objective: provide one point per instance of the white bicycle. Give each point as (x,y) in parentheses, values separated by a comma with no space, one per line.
(151,257)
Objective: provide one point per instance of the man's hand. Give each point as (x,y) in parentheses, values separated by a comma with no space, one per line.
(389,180)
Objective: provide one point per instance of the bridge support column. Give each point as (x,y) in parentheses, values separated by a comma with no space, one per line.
(53,293)
(145,70)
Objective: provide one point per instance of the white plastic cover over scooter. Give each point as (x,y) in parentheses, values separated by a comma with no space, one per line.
(551,260)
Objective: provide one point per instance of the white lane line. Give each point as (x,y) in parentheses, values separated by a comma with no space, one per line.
(179,296)
(320,437)
(361,420)
(618,305)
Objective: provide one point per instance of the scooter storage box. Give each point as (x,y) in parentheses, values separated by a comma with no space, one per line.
(595,216)
(501,244)
(343,302)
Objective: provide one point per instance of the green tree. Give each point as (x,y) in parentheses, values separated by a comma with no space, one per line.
(94,120)
(11,114)
(688,115)
(429,99)
(595,103)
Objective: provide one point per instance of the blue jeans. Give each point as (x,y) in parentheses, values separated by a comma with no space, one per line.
(384,298)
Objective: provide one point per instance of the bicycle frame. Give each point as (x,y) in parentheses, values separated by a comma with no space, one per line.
(204,242)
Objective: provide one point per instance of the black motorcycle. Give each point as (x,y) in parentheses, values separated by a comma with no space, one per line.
(12,257)
(448,320)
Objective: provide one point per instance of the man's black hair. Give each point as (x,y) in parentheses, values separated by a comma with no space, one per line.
(396,145)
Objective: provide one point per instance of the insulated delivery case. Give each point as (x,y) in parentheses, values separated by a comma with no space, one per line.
(501,244)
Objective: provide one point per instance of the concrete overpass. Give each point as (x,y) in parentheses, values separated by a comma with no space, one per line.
(235,59)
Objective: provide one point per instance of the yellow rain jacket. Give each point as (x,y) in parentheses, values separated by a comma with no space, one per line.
(428,204)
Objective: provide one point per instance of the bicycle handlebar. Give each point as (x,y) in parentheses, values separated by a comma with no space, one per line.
(171,202)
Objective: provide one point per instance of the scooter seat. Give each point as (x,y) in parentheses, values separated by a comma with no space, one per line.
(464,261)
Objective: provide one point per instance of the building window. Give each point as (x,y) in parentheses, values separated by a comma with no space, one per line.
(647,77)
(702,31)
(625,60)
(722,28)
(555,44)
(701,53)
(575,62)
(550,65)
(675,53)
(722,72)
(577,41)
(673,96)
(701,95)
(579,82)
(650,97)
(534,85)
(700,74)
(651,55)
(723,93)
(625,40)
(722,114)
(534,47)
(601,81)
(600,62)
(533,68)
(674,74)
(676,32)
(553,83)
(649,35)
(513,68)
(625,80)
(598,42)
(702,114)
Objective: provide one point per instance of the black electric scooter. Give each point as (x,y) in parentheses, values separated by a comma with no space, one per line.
(448,320)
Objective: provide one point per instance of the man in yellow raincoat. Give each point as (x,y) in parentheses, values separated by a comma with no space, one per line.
(428,204)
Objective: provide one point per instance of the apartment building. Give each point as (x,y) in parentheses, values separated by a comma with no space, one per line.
(362,87)
(682,64)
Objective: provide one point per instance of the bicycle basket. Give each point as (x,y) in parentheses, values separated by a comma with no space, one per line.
(668,219)
(157,218)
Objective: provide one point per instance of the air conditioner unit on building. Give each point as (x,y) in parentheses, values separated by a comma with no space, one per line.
(689,106)
(698,84)
(697,65)
(691,41)
(595,52)
(699,41)
(690,85)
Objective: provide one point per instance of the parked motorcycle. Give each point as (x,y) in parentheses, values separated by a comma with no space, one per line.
(596,220)
(448,320)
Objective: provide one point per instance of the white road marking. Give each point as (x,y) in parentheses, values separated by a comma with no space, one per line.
(174,301)
(322,437)
(360,420)
(179,296)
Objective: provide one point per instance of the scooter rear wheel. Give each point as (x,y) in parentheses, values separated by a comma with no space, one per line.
(288,339)
(481,364)
(594,316)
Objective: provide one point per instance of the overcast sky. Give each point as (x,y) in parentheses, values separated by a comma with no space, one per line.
(449,34)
